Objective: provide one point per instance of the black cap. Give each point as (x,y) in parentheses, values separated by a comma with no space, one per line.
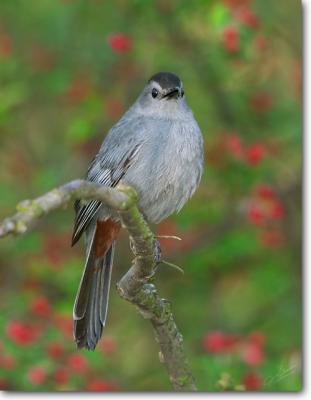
(166,80)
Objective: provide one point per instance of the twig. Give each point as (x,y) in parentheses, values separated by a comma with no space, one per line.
(135,285)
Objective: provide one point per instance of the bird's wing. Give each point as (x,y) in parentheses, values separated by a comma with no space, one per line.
(107,168)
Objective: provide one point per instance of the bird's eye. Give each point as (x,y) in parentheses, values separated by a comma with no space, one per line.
(182,92)
(154,92)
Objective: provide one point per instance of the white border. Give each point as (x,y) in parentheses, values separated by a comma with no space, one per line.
(307,264)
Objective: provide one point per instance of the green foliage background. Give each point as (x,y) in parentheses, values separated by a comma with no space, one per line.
(62,86)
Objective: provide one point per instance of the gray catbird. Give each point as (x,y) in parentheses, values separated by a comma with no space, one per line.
(157,148)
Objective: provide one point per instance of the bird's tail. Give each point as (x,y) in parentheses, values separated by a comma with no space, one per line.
(91,304)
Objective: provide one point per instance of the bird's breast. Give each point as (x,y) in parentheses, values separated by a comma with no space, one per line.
(168,169)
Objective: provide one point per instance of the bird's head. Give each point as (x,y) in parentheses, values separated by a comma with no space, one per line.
(163,95)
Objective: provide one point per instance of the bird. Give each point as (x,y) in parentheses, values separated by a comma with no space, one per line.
(157,148)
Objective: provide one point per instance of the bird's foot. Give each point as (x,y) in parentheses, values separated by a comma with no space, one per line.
(157,252)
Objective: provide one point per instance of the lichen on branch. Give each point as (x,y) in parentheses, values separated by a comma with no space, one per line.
(135,285)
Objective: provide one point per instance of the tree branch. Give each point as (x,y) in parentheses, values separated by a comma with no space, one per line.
(135,285)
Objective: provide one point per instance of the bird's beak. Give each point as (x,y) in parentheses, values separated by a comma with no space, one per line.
(172,93)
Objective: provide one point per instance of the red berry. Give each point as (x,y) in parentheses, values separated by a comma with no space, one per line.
(21,333)
(61,376)
(64,324)
(42,58)
(260,42)
(233,144)
(120,42)
(253,381)
(255,153)
(7,361)
(114,108)
(4,384)
(77,362)
(78,90)
(261,101)
(37,375)
(246,16)
(108,345)
(55,350)
(101,386)
(214,342)
(255,215)
(231,39)
(272,238)
(277,210)
(231,341)
(169,227)
(252,354)
(236,3)
(5,45)
(41,306)
(188,240)
(264,191)
(257,337)
(218,342)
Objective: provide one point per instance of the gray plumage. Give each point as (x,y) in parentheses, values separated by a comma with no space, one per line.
(157,148)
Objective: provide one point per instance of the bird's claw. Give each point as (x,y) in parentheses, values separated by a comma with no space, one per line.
(157,252)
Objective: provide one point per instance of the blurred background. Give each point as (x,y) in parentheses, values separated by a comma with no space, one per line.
(68,70)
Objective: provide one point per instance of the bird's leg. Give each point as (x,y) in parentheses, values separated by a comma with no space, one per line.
(132,246)
(157,252)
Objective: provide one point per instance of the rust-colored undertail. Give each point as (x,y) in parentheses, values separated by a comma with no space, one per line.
(91,304)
